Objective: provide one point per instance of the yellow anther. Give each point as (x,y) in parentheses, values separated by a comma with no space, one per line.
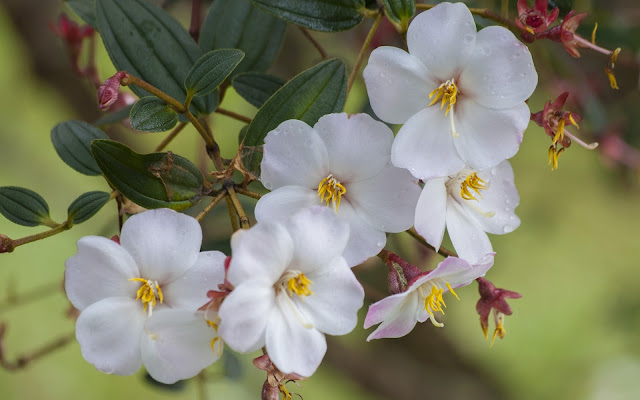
(448,91)
(331,191)
(613,57)
(499,331)
(528,29)
(216,339)
(451,290)
(559,132)
(299,285)
(149,293)
(573,121)
(434,301)
(553,156)
(285,393)
(475,183)
(593,34)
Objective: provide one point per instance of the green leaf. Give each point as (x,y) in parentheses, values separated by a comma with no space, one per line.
(308,96)
(400,12)
(145,41)
(24,207)
(72,141)
(115,116)
(564,5)
(319,15)
(153,180)
(87,205)
(150,114)
(211,70)
(256,88)
(236,24)
(86,9)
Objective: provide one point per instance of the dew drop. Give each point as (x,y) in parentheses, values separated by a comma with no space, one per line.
(507,229)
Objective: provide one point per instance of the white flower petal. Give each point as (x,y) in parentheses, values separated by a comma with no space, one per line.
(262,252)
(99,270)
(500,72)
(109,334)
(190,290)
(358,146)
(292,347)
(244,315)
(489,136)
(399,320)
(319,237)
(337,297)
(458,272)
(425,146)
(386,201)
(468,238)
(364,241)
(501,197)
(431,211)
(177,345)
(285,201)
(398,84)
(294,154)
(164,243)
(443,38)
(382,309)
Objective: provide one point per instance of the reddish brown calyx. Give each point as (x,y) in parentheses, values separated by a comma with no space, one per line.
(492,298)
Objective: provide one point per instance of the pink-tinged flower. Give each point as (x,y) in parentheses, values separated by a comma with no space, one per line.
(73,35)
(139,299)
(535,19)
(459,93)
(291,286)
(492,298)
(469,204)
(399,313)
(343,162)
(109,91)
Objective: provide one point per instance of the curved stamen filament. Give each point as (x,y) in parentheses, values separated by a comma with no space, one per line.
(330,191)
(448,92)
(433,302)
(149,293)
(300,285)
(472,181)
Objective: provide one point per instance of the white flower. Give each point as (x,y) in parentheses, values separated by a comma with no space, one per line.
(292,286)
(139,299)
(459,93)
(469,204)
(399,313)
(342,161)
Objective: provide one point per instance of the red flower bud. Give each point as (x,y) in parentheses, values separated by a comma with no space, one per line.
(494,299)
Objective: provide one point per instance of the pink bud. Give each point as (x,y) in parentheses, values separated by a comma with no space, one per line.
(109,91)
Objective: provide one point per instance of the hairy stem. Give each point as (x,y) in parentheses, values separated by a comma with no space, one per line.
(363,50)
(315,43)
(233,115)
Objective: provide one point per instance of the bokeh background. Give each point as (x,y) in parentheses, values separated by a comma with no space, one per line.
(573,335)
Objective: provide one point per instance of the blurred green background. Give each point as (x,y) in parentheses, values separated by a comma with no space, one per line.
(573,335)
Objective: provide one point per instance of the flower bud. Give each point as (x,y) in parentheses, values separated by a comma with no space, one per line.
(535,19)
(110,90)
(492,298)
(6,244)
(400,272)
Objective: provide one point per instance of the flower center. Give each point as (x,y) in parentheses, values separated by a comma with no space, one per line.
(474,183)
(330,190)
(295,282)
(149,293)
(448,92)
(469,182)
(433,301)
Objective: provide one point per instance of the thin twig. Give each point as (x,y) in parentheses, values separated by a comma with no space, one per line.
(171,136)
(233,115)
(39,293)
(233,217)
(248,193)
(211,205)
(244,220)
(22,360)
(315,43)
(442,251)
(363,50)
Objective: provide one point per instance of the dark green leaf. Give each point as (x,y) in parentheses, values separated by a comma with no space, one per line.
(72,141)
(400,12)
(308,96)
(87,205)
(319,15)
(145,41)
(256,88)
(153,180)
(23,206)
(211,70)
(115,116)
(150,114)
(86,9)
(236,24)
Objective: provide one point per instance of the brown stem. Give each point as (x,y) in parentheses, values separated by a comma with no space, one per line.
(194,28)
(244,220)
(233,115)
(22,360)
(363,50)
(233,217)
(315,43)
(442,251)
(38,236)
(39,293)
(248,193)
(211,205)
(171,136)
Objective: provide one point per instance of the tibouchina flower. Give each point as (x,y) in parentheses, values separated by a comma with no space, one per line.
(343,162)
(292,286)
(139,299)
(469,204)
(399,313)
(459,93)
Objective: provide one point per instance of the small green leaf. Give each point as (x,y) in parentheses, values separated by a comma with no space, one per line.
(211,70)
(72,141)
(115,116)
(87,205)
(319,15)
(256,88)
(400,12)
(24,207)
(153,180)
(145,41)
(237,24)
(150,114)
(86,9)
(308,96)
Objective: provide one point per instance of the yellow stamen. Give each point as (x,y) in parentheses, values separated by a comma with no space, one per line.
(299,285)
(451,290)
(573,121)
(216,339)
(474,182)
(331,191)
(531,31)
(553,156)
(500,331)
(285,393)
(613,57)
(149,293)
(593,34)
(559,132)
(448,91)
